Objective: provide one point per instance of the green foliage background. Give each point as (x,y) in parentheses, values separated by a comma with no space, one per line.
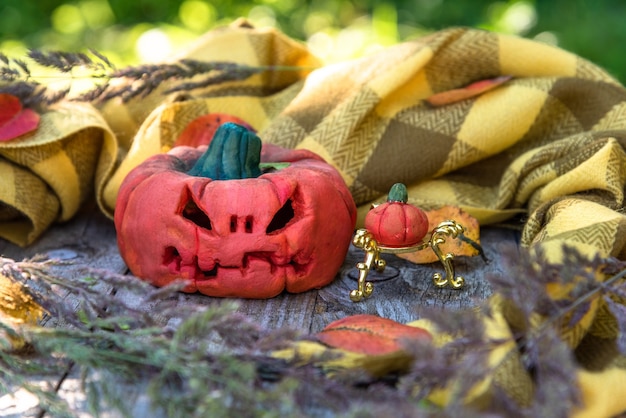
(125,30)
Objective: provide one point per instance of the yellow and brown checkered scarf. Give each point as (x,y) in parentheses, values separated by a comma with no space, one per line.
(549,144)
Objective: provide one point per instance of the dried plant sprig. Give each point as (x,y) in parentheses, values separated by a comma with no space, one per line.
(530,274)
(211,363)
(546,356)
(138,81)
(66,61)
(547,359)
(105,333)
(215,360)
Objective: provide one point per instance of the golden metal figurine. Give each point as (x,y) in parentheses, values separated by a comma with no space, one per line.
(364,239)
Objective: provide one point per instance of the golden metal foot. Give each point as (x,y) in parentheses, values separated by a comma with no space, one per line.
(364,239)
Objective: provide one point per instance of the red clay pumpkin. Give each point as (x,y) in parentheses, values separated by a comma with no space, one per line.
(217,219)
(396,223)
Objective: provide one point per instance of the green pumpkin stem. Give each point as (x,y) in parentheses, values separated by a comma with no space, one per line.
(234,153)
(398,193)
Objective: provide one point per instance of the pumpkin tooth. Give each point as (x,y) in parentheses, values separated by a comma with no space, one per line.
(257,264)
(280,259)
(190,269)
(206,265)
(300,268)
(264,256)
(210,274)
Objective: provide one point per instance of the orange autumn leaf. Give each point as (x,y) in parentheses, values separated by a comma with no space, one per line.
(456,246)
(370,335)
(472,90)
(15,120)
(200,131)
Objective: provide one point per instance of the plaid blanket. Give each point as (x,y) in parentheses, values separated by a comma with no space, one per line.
(547,145)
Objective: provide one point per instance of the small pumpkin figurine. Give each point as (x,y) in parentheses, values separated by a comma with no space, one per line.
(396,223)
(235,219)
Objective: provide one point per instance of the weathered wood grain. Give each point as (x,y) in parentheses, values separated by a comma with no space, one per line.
(403,289)
(401,292)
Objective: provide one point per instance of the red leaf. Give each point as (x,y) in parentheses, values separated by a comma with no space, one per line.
(472,90)
(15,121)
(370,335)
(200,130)
(9,107)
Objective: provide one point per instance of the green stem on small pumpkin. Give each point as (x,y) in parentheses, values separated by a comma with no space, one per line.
(234,153)
(398,193)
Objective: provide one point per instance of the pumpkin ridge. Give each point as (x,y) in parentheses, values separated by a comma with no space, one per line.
(405,224)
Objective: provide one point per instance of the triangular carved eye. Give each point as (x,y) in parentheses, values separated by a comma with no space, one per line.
(281,218)
(190,210)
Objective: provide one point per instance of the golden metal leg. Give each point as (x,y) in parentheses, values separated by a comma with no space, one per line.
(438,237)
(364,240)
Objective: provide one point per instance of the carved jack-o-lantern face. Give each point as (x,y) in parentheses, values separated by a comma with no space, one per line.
(287,228)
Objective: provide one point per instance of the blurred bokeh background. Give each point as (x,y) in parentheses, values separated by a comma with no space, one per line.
(133,31)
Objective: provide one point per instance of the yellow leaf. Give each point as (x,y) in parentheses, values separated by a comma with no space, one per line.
(16,309)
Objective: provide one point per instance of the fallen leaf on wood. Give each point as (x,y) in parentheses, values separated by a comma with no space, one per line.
(466,245)
(472,90)
(370,335)
(15,120)
(17,308)
(200,131)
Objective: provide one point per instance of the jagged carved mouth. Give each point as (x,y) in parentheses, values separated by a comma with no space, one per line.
(192,270)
